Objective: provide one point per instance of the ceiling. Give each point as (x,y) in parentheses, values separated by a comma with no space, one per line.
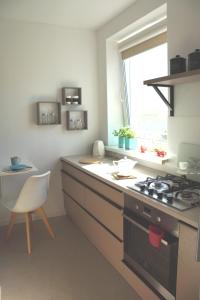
(85,14)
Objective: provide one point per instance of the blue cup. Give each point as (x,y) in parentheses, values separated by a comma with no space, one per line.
(15,160)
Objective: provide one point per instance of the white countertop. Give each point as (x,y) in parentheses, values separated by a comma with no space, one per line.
(103,172)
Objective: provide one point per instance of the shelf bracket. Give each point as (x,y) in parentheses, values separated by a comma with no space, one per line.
(169,103)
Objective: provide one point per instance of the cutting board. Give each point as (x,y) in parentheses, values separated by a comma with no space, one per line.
(89,160)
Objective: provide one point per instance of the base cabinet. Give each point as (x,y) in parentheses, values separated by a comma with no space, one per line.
(74,189)
(98,186)
(110,247)
(97,205)
(105,212)
(97,209)
(188,276)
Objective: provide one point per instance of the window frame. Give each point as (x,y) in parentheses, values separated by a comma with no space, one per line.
(148,44)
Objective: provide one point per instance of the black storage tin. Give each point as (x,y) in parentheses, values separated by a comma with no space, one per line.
(177,64)
(194,60)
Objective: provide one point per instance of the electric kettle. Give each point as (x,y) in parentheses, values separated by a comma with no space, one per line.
(98,149)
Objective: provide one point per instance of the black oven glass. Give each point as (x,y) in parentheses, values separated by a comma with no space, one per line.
(160,263)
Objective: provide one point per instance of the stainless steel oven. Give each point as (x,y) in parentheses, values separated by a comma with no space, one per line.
(156,266)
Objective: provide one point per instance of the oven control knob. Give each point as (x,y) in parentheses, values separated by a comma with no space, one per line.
(158,219)
(150,191)
(142,188)
(169,199)
(159,195)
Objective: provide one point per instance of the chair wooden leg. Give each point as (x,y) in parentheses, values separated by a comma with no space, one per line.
(30,221)
(28,236)
(11,224)
(40,211)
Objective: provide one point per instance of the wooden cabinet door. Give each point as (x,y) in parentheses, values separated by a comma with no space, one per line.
(188,274)
(104,241)
(95,184)
(74,189)
(106,213)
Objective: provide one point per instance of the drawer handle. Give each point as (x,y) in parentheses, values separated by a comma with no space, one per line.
(164,242)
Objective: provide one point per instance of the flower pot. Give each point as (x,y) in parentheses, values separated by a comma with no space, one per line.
(130,143)
(121,141)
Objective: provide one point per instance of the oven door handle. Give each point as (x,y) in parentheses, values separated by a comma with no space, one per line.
(164,242)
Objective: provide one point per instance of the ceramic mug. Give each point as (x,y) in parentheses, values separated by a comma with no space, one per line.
(15,160)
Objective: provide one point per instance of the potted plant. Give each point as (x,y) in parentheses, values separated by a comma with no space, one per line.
(121,133)
(130,140)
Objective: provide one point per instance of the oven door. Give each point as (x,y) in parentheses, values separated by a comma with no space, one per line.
(156,266)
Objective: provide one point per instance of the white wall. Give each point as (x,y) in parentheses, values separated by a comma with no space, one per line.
(184,38)
(36,61)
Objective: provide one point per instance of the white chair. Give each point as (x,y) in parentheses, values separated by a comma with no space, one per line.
(30,200)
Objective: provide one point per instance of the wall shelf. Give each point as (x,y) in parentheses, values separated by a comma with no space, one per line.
(169,82)
(71,96)
(48,113)
(77,120)
(174,79)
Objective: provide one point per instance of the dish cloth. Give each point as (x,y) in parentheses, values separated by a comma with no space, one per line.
(155,235)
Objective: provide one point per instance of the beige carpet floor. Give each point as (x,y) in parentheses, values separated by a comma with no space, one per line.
(67,268)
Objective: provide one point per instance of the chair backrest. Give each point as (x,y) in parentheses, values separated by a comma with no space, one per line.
(33,194)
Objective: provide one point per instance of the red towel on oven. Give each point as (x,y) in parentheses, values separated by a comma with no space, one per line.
(155,235)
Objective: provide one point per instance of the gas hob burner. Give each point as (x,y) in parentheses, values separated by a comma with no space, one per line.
(175,191)
(189,195)
(175,182)
(160,186)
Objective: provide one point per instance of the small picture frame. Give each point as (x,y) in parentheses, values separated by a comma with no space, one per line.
(48,113)
(77,120)
(71,96)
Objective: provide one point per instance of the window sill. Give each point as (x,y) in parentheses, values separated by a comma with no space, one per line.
(148,157)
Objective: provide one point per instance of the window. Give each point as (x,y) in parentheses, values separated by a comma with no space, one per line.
(148,114)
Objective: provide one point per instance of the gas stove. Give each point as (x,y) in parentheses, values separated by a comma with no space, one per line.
(175,191)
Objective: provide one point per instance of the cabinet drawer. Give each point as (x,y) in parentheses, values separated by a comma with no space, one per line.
(105,212)
(105,242)
(74,189)
(95,184)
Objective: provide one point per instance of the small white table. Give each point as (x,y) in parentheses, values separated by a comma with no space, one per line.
(6,172)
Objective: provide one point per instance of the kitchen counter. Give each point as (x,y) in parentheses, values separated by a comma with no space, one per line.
(103,172)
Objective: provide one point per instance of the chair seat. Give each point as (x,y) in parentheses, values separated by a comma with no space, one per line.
(10,204)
